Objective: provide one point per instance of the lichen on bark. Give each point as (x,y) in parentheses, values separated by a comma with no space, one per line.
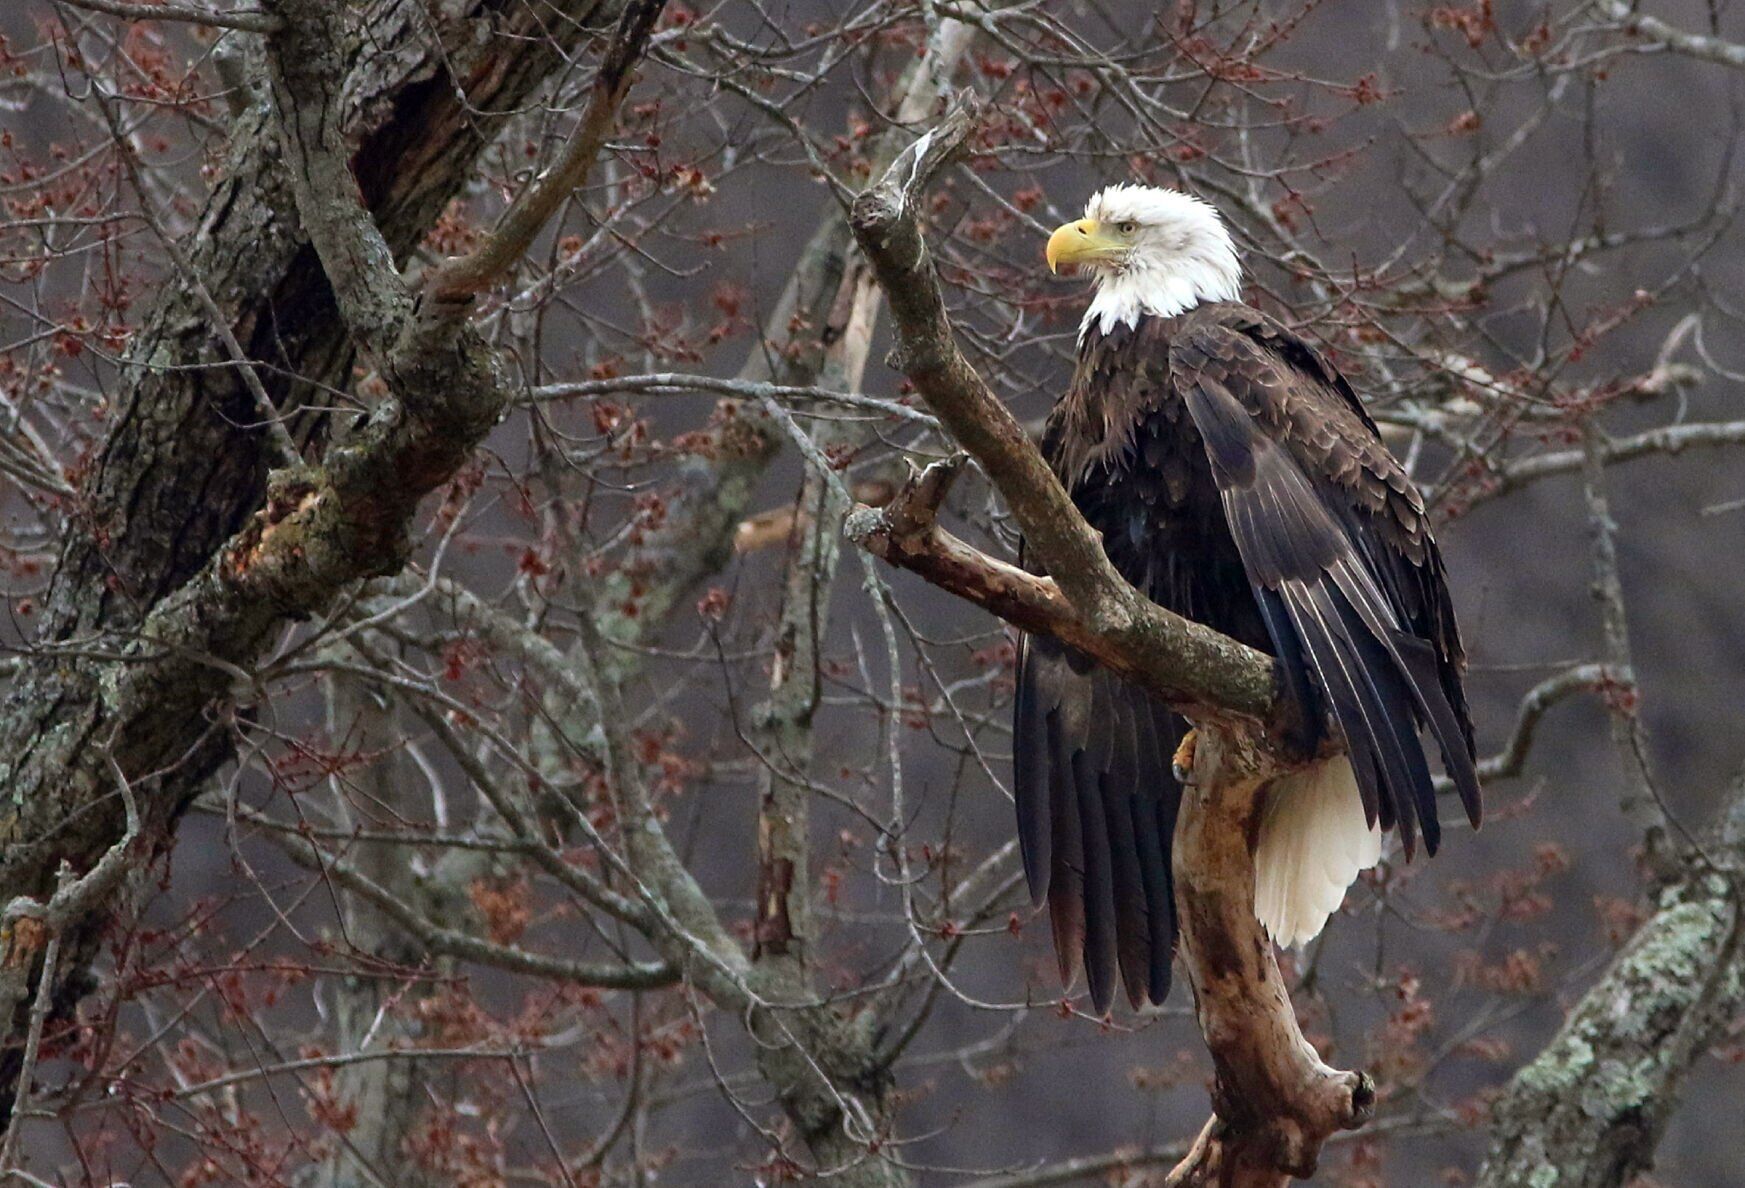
(1589,1110)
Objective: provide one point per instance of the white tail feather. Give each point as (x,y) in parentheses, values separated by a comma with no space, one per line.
(1313,841)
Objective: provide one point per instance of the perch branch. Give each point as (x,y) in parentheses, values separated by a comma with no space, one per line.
(906,533)
(1194,667)
(1275,1101)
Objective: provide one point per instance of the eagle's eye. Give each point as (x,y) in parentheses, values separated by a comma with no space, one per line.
(1127,227)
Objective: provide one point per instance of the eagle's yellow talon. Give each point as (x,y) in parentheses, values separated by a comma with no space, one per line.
(1184,758)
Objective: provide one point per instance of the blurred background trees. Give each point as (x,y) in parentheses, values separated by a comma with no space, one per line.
(605,817)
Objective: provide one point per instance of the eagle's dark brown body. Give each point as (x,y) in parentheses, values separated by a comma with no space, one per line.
(1236,480)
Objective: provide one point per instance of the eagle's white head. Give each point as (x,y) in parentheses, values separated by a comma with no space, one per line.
(1153,251)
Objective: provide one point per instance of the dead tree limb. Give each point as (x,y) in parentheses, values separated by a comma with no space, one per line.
(1205,671)
(1275,1102)
(461,278)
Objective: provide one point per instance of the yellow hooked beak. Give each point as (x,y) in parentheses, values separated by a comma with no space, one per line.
(1083,242)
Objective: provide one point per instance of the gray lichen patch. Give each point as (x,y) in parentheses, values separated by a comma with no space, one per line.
(1588,1110)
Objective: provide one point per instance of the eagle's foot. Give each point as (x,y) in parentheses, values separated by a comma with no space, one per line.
(1184,758)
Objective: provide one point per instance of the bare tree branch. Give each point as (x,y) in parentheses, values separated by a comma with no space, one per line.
(1509,761)
(245,20)
(1671,440)
(1276,1103)
(453,943)
(459,279)
(1656,31)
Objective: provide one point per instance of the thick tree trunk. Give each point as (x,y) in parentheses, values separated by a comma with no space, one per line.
(184,463)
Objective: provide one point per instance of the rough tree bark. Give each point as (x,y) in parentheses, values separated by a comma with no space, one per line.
(1275,1102)
(1589,1110)
(146,618)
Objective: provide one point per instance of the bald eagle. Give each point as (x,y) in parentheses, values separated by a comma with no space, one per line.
(1237,480)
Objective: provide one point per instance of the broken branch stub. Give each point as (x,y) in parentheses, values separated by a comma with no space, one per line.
(1276,1102)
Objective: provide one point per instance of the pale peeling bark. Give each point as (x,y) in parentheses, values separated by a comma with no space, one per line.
(386,1094)
(783,929)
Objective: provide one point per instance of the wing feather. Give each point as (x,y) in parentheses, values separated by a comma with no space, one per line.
(1117,784)
(1066,884)
(1347,610)
(1096,806)
(1099,907)
(1031,762)
(1334,546)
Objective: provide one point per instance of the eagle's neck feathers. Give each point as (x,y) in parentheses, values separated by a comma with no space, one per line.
(1163,291)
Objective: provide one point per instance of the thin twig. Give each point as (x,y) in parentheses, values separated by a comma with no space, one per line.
(33,1040)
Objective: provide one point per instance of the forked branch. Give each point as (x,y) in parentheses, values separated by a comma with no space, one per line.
(1275,1101)
(1194,667)
(459,279)
(906,533)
